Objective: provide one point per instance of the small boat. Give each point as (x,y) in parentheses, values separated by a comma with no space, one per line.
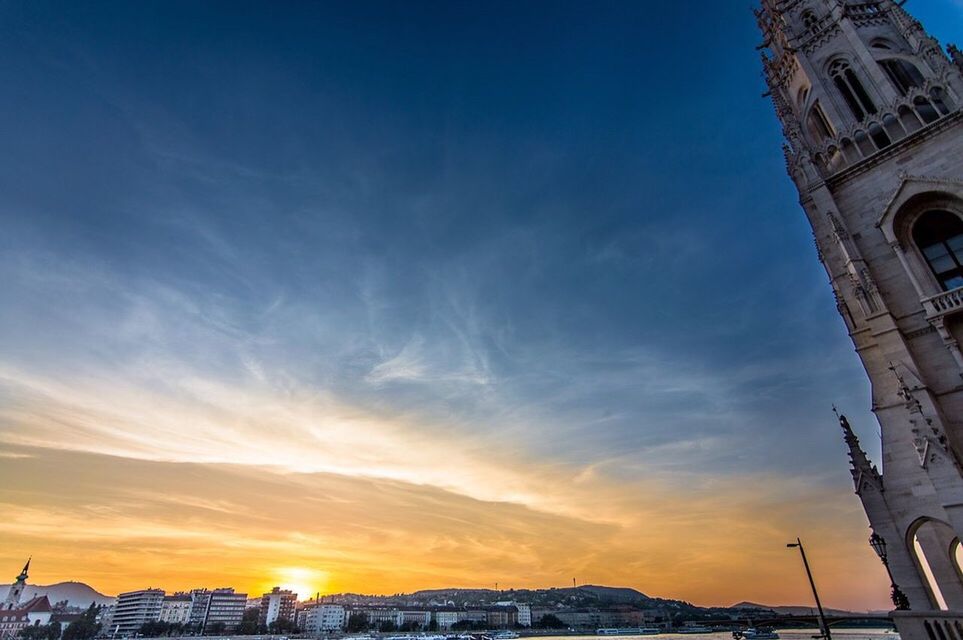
(752,633)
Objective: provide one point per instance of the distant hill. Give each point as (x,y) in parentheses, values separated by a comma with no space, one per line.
(587,594)
(614,594)
(77,594)
(793,610)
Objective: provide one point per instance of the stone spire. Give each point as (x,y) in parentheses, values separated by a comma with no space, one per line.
(862,469)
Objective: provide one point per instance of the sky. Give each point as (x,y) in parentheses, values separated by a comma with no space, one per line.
(377,297)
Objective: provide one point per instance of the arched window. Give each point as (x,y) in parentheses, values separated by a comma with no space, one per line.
(879,136)
(902,74)
(939,236)
(926,110)
(851,89)
(819,127)
(938,97)
(810,22)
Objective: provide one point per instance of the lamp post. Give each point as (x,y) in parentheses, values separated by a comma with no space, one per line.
(823,627)
(900,601)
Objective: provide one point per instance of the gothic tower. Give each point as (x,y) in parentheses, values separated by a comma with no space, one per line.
(870,108)
(16,589)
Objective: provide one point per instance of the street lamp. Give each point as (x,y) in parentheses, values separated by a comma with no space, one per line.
(823,627)
(878,544)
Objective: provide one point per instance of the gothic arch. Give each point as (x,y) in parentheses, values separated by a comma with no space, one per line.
(883,44)
(932,544)
(956,554)
(849,79)
(915,197)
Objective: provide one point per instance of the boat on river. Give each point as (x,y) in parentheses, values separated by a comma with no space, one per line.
(753,633)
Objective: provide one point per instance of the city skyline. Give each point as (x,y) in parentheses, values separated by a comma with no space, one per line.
(369,299)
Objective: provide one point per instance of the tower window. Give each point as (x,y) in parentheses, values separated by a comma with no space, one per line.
(879,136)
(939,236)
(902,74)
(810,22)
(819,126)
(851,89)
(938,97)
(926,110)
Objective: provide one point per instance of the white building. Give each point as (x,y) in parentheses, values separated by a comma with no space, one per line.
(378,617)
(524,611)
(870,107)
(176,609)
(324,618)
(133,609)
(416,617)
(279,604)
(445,618)
(15,615)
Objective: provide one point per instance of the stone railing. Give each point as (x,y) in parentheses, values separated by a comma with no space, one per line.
(907,115)
(865,12)
(929,625)
(944,304)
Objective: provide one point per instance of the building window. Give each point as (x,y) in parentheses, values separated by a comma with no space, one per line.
(810,22)
(819,126)
(938,97)
(926,110)
(851,89)
(939,236)
(902,74)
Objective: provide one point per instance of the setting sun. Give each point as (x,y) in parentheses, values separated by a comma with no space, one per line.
(306,583)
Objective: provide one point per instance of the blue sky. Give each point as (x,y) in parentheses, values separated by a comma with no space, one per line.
(483,247)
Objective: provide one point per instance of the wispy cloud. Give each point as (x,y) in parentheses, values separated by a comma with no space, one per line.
(361,311)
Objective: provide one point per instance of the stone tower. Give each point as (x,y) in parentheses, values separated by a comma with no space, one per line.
(16,589)
(870,108)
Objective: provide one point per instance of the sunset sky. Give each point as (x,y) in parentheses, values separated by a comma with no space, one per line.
(380,297)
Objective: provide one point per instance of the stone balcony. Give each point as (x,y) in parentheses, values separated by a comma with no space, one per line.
(944,304)
(929,625)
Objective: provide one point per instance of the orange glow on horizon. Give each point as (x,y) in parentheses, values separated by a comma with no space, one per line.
(121,524)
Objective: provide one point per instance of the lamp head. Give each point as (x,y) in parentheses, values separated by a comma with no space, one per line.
(878,544)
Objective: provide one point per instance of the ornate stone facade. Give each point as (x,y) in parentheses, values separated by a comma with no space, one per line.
(870,107)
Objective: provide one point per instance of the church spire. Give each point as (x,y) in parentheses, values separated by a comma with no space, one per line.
(16,589)
(862,469)
(23,574)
